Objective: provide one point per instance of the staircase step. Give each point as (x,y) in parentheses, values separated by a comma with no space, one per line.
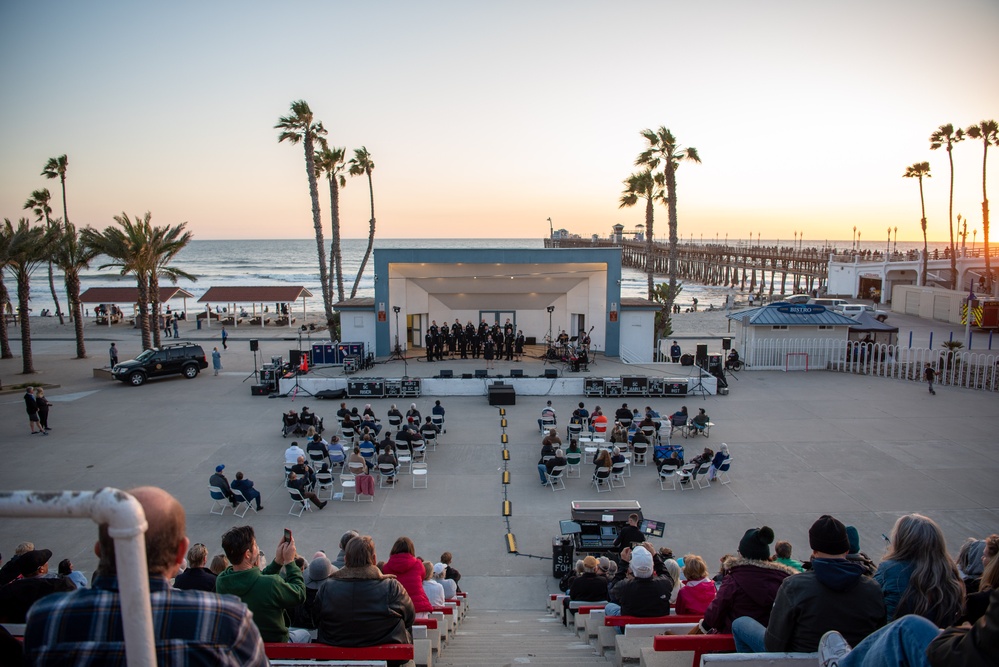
(508,638)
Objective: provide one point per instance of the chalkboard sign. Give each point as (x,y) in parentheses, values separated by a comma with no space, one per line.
(675,388)
(634,385)
(593,387)
(366,388)
(411,387)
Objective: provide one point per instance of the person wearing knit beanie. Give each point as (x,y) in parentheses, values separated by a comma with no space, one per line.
(755,544)
(828,535)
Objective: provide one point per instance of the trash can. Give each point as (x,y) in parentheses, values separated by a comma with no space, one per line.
(199,324)
(562,552)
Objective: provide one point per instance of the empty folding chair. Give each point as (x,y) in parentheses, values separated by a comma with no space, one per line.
(420,475)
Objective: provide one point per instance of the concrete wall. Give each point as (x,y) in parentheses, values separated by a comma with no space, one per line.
(932,303)
(638,336)
(359,327)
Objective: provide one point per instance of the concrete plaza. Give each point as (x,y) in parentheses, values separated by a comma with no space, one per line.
(863,449)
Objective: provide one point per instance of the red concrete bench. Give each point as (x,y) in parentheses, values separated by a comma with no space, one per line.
(607,635)
(400,652)
(698,644)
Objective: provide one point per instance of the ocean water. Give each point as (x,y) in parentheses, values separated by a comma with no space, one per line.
(294,262)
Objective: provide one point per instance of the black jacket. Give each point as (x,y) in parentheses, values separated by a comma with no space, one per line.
(833,595)
(360,606)
(977,646)
(195,579)
(588,587)
(644,597)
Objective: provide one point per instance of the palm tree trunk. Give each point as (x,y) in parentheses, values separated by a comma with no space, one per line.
(336,259)
(310,166)
(76,311)
(65,222)
(5,352)
(648,245)
(142,284)
(23,295)
(926,247)
(985,222)
(670,170)
(950,215)
(371,239)
(154,302)
(55,298)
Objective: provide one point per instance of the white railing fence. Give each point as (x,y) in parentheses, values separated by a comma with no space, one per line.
(965,368)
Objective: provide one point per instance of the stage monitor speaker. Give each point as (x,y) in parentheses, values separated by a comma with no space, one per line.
(517,373)
(726,343)
(254,345)
(551,373)
(294,357)
(481,373)
(701,358)
(260,389)
(466,376)
(446,373)
(531,340)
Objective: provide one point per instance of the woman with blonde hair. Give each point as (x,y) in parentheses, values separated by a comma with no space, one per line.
(918,576)
(676,574)
(698,591)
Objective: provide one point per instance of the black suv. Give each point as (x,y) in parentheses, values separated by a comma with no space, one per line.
(186,358)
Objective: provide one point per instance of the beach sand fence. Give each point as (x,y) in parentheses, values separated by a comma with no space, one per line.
(972,370)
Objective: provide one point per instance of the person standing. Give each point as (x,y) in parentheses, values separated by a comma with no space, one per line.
(43,409)
(225,338)
(31,407)
(930,375)
(176,327)
(113,353)
(217,359)
(675,352)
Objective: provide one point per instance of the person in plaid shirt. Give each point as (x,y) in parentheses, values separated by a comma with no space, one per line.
(84,627)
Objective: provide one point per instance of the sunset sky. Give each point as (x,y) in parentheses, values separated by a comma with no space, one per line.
(485,119)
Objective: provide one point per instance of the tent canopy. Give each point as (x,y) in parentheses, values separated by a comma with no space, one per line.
(128,294)
(867,322)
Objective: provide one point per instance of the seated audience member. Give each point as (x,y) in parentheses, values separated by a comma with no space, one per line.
(270,593)
(245,487)
(305,471)
(915,642)
(717,461)
(834,594)
(307,419)
(699,460)
(413,415)
(700,421)
(342,412)
(666,455)
(552,438)
(319,570)
(547,415)
(189,627)
(438,411)
(430,429)
(623,414)
(917,574)
(394,416)
(973,557)
(547,454)
(641,593)
(409,570)
(749,585)
(369,421)
(35,584)
(619,433)
(67,570)
(856,555)
(557,460)
(299,483)
(449,585)
(587,587)
(698,591)
(317,447)
(219,480)
(292,453)
(196,577)
(450,572)
(338,562)
(675,573)
(388,457)
(219,564)
(602,460)
(355,458)
(360,591)
(978,601)
(598,423)
(290,422)
(617,456)
(782,555)
(433,588)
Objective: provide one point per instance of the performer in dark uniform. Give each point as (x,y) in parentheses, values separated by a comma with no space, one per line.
(519,345)
(487,354)
(445,341)
(508,327)
(476,341)
(439,345)
(508,343)
(584,340)
(428,340)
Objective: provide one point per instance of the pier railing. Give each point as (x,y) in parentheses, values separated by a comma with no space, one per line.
(966,368)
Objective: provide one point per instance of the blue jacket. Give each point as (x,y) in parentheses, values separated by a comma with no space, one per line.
(893,576)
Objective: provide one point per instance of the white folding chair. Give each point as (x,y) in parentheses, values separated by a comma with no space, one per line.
(316,459)
(685,473)
(600,479)
(547,424)
(324,480)
(640,449)
(244,504)
(701,477)
(420,477)
(722,474)
(555,478)
(419,451)
(574,431)
(298,500)
(386,472)
(438,421)
(347,434)
(667,473)
(617,474)
(430,439)
(219,500)
(573,460)
(348,484)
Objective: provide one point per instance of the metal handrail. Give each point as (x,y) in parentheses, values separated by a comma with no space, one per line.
(127,525)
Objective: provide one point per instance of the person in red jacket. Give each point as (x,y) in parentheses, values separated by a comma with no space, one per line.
(408,569)
(698,590)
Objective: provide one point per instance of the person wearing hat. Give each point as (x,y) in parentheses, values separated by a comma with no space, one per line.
(18,596)
(450,585)
(834,595)
(587,587)
(750,584)
(641,593)
(319,570)
(219,480)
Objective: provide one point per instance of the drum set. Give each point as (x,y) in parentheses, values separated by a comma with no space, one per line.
(573,355)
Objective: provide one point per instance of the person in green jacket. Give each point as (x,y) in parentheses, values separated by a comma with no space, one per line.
(782,555)
(270,593)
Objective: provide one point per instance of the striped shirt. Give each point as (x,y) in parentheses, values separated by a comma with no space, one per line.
(84,628)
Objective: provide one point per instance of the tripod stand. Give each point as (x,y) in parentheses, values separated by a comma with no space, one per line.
(255,374)
(699,387)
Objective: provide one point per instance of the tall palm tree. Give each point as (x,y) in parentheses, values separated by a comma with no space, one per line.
(921,170)
(302,127)
(27,248)
(56,168)
(5,352)
(665,150)
(945,135)
(330,162)
(361,164)
(988,132)
(38,202)
(648,186)
(128,248)
(163,245)
(72,255)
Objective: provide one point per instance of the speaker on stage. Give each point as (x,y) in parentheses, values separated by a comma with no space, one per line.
(551,373)
(254,345)
(446,373)
(295,357)
(701,358)
(726,343)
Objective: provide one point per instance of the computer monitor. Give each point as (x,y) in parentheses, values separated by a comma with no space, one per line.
(608,532)
(652,528)
(569,527)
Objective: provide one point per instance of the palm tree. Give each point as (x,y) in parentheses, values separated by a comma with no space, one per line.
(921,170)
(664,149)
(5,352)
(361,164)
(988,132)
(38,202)
(56,168)
(27,248)
(128,248)
(300,126)
(946,136)
(72,255)
(648,186)
(163,245)
(330,162)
